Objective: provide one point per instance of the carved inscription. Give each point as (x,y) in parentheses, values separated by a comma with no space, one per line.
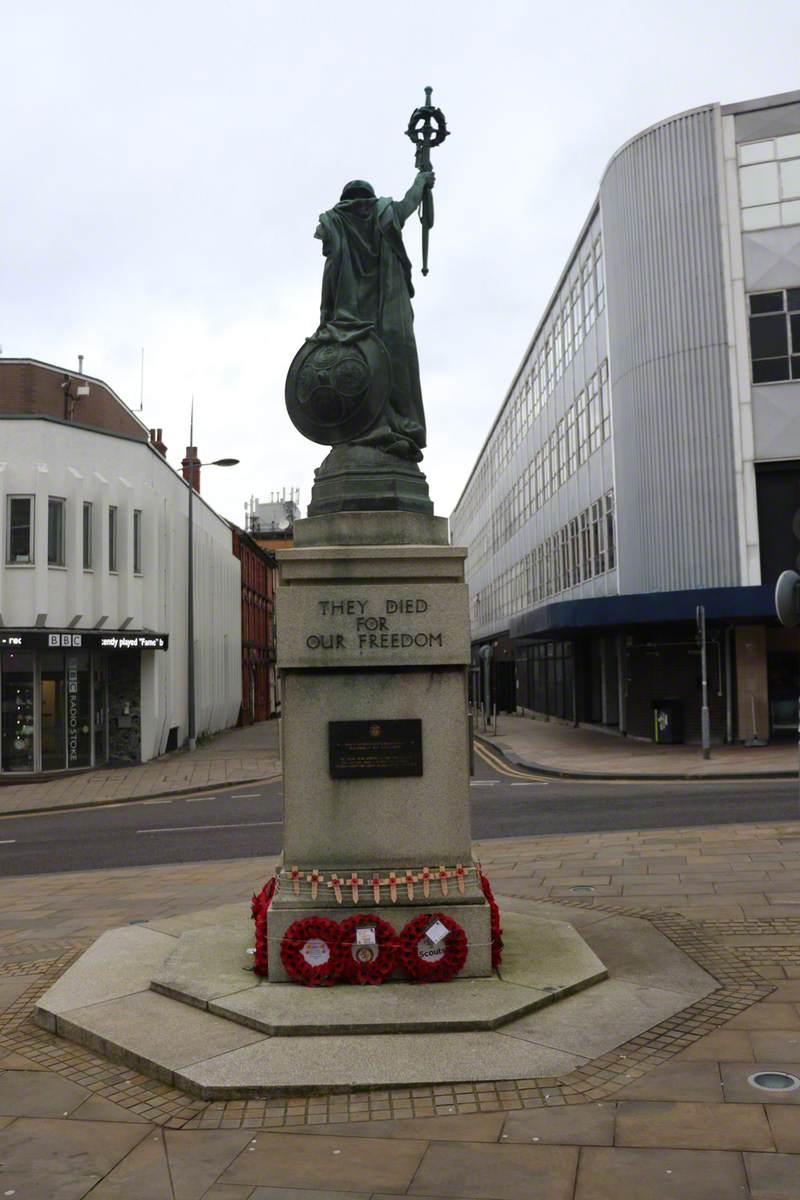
(372,626)
(345,625)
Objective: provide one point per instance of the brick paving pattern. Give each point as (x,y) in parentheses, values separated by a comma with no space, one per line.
(669,1113)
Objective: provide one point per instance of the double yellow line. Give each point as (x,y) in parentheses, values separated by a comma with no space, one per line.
(498,764)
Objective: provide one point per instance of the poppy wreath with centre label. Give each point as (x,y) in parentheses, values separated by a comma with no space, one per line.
(361,966)
(260,908)
(421,960)
(494,916)
(312,952)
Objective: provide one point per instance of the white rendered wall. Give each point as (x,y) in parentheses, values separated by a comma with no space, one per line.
(49,458)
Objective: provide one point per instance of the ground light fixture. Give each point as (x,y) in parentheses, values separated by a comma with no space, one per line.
(192,463)
(774,1081)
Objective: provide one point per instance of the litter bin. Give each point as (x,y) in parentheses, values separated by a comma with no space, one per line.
(668,722)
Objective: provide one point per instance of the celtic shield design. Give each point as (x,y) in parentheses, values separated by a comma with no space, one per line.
(336,391)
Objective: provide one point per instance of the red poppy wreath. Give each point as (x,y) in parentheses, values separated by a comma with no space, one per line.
(494,914)
(437,959)
(260,908)
(312,952)
(368,961)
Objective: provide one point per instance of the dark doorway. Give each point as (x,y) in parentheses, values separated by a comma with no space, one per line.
(783,682)
(778,493)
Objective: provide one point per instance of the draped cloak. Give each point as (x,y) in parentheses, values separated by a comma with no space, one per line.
(366,285)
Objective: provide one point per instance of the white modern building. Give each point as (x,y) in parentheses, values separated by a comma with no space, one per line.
(93,583)
(646,458)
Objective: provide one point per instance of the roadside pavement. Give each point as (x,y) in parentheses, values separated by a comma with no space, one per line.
(555,747)
(669,1115)
(232,757)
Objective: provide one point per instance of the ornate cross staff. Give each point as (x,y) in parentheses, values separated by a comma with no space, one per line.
(427,129)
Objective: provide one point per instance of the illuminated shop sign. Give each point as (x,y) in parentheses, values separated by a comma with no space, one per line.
(36,639)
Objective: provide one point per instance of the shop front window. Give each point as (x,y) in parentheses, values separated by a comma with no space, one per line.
(17,711)
(53,706)
(52,709)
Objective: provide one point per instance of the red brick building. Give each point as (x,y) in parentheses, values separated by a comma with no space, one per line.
(259,696)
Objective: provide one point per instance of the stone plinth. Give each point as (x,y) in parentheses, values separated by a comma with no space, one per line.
(373,621)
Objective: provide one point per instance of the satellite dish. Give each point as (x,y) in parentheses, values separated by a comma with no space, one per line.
(786,598)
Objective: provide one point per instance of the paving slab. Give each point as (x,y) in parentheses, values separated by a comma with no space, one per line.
(785,1126)
(270,1193)
(737,1090)
(49,1185)
(220,914)
(11,989)
(568,1125)
(198,1157)
(96,1108)
(692,1126)
(506,1172)
(608,1173)
(37,1147)
(207,963)
(776,1044)
(632,949)
(679,1081)
(286,1065)
(547,954)
(773,1176)
(39,1094)
(17,1062)
(327,1163)
(153,1033)
(594,1022)
(768,1016)
(143,1172)
(120,962)
(731,1045)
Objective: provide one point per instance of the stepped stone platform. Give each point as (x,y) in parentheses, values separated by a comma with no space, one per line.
(175,999)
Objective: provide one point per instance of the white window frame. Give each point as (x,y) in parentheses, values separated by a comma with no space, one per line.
(113,538)
(59,503)
(29,561)
(137,541)
(87,535)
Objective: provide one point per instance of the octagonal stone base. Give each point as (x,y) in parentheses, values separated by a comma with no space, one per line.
(543,961)
(471,1029)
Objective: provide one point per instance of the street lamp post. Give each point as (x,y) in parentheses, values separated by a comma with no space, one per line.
(193,462)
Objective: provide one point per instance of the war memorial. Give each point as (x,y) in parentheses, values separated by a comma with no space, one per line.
(374,955)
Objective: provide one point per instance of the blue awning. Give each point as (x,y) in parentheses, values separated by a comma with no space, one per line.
(646,608)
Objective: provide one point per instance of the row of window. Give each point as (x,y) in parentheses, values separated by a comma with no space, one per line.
(775,335)
(582,430)
(580,550)
(769,182)
(20,540)
(576,310)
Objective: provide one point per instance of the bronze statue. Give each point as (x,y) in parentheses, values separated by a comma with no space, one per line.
(355,383)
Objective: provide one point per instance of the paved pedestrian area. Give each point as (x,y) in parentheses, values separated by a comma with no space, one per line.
(668,1114)
(234,757)
(562,748)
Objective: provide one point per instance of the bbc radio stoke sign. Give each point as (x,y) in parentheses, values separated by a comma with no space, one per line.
(40,639)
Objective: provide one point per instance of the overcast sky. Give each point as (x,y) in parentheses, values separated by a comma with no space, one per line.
(164,165)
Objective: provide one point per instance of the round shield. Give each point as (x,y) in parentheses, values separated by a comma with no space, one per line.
(335,391)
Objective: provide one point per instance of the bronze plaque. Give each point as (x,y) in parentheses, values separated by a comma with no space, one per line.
(374,749)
